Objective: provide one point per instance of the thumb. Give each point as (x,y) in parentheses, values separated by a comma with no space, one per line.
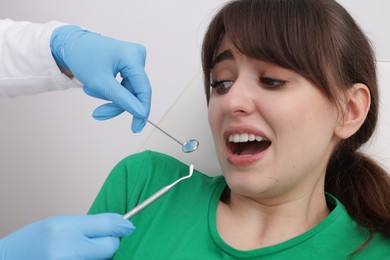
(107,111)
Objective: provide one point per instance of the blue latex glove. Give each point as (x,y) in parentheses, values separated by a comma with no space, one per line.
(67,237)
(95,60)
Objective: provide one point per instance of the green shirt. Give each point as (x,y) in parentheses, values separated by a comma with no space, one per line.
(182,223)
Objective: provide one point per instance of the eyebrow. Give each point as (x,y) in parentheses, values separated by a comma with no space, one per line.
(225,55)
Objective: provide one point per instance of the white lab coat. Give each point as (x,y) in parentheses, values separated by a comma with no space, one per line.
(26,64)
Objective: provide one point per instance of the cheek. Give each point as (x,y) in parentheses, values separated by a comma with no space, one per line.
(310,114)
(307,132)
(213,116)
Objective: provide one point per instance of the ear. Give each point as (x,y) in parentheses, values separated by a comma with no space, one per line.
(358,100)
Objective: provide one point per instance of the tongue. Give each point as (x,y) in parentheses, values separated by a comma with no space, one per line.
(250,148)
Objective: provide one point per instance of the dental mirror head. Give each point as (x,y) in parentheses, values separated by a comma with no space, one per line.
(187,147)
(190,146)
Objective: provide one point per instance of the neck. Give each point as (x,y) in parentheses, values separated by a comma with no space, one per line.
(247,223)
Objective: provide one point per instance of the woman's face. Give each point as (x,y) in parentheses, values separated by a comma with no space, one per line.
(273,129)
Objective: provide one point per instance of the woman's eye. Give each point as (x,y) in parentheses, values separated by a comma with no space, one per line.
(271,83)
(221,86)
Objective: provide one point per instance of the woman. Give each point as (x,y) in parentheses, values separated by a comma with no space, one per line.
(292,95)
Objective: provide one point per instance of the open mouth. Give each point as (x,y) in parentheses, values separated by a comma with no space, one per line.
(246,144)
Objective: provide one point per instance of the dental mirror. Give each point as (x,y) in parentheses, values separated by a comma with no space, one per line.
(187,147)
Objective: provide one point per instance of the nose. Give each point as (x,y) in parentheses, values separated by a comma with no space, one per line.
(239,100)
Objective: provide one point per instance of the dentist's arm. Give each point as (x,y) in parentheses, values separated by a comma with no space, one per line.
(27,65)
(30,52)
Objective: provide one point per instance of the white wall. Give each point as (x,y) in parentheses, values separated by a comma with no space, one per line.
(54,156)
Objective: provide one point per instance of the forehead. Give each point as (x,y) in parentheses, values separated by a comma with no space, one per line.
(226,51)
(225,44)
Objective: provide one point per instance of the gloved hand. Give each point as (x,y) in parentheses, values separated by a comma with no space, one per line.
(67,237)
(95,60)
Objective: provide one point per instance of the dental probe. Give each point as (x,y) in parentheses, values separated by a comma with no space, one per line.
(187,147)
(156,195)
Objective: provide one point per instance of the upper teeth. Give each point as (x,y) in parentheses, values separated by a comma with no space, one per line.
(242,138)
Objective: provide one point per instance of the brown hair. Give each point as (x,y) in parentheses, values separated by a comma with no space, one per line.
(321,41)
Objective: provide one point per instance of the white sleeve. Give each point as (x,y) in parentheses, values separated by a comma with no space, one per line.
(26,63)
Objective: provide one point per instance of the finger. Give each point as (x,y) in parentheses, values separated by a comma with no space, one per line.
(106,224)
(122,97)
(136,81)
(143,97)
(107,111)
(137,124)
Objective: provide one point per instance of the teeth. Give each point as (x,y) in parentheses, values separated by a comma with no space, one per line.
(259,139)
(243,138)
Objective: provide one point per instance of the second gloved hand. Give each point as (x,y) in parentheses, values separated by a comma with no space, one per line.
(95,60)
(67,237)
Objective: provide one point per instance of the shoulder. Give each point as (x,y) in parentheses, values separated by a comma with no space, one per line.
(152,164)
(150,159)
(377,248)
(357,235)
(148,171)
